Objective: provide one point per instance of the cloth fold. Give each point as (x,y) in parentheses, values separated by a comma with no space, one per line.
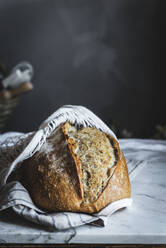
(16,148)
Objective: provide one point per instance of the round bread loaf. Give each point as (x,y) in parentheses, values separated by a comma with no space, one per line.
(78,170)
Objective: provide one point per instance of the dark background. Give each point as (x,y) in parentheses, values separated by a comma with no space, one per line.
(108,55)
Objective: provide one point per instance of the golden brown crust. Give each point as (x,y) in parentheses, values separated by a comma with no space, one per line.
(54,187)
(77,161)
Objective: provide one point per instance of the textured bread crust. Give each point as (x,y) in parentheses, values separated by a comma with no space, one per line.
(55,175)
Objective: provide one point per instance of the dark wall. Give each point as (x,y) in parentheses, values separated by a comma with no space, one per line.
(108,55)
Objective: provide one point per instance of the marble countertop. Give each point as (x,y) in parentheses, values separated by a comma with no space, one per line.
(142,223)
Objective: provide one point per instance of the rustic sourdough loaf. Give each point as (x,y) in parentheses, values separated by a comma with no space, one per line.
(78,170)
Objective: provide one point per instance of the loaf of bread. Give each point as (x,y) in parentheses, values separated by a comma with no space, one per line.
(77,170)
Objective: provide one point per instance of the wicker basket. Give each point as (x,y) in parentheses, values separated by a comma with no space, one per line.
(6,109)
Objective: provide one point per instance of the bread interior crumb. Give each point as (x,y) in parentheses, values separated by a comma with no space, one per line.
(98,159)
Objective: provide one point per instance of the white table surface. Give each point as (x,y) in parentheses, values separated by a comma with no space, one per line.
(142,223)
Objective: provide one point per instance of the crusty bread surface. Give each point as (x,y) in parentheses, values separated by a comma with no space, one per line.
(78,170)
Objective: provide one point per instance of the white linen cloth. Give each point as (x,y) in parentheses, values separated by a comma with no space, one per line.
(15,147)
